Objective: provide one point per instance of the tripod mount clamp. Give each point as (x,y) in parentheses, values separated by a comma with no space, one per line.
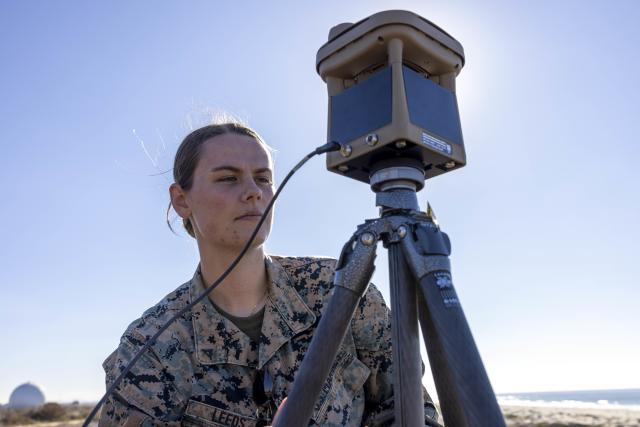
(425,246)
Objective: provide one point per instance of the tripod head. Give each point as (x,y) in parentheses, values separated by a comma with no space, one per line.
(392,102)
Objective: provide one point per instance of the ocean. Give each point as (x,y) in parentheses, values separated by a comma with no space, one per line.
(613,399)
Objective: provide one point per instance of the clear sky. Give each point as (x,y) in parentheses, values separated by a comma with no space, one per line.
(96,96)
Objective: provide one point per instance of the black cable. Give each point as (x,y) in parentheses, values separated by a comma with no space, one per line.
(329,146)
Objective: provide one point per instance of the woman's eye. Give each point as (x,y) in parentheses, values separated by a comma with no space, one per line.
(227,179)
(264,180)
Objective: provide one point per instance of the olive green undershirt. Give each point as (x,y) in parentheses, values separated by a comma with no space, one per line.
(250,325)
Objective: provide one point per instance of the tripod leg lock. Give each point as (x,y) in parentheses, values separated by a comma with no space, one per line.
(426,252)
(421,264)
(432,241)
(355,265)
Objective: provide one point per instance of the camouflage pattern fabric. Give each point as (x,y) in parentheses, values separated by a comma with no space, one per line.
(201,371)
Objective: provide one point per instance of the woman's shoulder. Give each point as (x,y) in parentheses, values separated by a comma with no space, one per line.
(142,329)
(307,274)
(152,319)
(304,262)
(317,272)
(310,276)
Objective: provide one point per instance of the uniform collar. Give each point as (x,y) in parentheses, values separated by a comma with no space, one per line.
(218,340)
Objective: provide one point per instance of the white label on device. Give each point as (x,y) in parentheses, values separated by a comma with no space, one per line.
(436,143)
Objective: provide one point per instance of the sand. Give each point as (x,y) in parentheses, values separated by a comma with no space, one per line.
(520,416)
(517,416)
(530,416)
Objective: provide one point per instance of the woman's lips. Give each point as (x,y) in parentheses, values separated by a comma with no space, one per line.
(249,217)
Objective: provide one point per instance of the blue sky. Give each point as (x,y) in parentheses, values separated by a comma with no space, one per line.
(543,219)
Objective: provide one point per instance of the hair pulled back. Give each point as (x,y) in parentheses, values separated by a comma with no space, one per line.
(188,155)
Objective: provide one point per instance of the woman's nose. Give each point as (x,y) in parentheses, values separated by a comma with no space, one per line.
(252,191)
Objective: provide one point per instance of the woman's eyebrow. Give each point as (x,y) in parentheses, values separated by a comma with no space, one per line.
(263,170)
(225,167)
(237,169)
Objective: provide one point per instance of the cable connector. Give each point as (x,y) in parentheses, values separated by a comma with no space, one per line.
(329,146)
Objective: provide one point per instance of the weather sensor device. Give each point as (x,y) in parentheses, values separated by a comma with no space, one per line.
(392,100)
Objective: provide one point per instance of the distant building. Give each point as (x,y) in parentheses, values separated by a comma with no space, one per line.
(26,396)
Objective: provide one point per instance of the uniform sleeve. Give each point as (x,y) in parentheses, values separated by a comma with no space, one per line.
(372,335)
(145,397)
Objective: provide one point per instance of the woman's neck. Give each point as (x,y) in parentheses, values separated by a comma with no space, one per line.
(243,291)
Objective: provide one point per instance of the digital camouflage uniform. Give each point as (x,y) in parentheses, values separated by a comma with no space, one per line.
(201,371)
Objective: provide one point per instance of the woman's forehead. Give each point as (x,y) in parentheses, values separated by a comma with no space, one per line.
(235,150)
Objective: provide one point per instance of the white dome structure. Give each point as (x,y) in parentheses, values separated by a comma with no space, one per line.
(26,396)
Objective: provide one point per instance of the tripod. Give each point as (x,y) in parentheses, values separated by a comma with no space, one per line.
(421,289)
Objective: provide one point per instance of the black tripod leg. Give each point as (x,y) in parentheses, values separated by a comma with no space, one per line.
(353,272)
(407,386)
(466,395)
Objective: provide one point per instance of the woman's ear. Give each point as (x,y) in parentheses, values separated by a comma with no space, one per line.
(179,201)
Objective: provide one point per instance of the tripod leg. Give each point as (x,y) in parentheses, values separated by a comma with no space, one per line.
(407,386)
(455,359)
(466,395)
(353,272)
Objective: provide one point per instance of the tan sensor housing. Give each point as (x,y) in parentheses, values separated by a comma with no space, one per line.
(391,83)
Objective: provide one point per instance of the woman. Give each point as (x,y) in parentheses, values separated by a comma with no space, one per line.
(231,360)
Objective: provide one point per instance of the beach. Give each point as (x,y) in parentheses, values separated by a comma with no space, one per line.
(521,416)
(517,416)
(557,416)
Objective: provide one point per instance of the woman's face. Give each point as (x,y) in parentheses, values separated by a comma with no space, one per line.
(232,186)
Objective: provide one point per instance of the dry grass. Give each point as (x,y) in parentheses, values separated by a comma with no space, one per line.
(51,414)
